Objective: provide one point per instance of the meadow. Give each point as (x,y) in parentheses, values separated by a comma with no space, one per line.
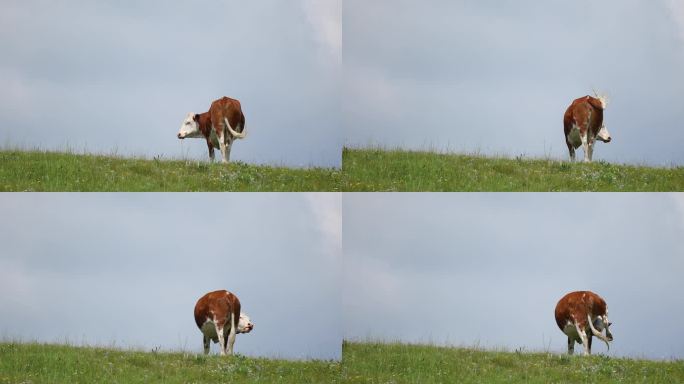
(378,169)
(371,362)
(67,171)
(51,363)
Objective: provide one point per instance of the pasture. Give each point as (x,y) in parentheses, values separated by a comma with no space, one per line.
(67,171)
(378,169)
(373,362)
(50,363)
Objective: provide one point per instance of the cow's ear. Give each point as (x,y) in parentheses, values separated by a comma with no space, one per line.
(196,117)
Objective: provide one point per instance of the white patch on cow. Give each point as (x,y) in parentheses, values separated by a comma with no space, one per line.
(574,136)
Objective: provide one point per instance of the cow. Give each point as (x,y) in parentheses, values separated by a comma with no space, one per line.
(216,126)
(581,315)
(218,316)
(583,124)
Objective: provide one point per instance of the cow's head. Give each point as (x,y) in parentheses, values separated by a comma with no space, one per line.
(601,323)
(245,325)
(603,134)
(190,127)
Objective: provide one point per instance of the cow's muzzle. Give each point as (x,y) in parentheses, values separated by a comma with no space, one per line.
(180,137)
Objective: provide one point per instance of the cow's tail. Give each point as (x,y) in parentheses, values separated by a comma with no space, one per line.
(237,135)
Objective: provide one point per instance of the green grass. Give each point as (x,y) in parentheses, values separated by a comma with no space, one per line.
(45,363)
(402,363)
(60,171)
(399,170)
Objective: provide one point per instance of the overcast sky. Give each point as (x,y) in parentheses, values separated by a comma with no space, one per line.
(488,269)
(121,77)
(495,77)
(127,269)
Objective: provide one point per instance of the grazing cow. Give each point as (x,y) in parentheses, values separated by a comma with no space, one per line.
(583,124)
(218,316)
(216,126)
(581,315)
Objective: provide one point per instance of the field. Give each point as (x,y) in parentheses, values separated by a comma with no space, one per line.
(402,363)
(398,170)
(45,363)
(64,171)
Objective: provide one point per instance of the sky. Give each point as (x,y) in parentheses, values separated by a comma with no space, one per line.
(119,78)
(486,270)
(495,78)
(126,270)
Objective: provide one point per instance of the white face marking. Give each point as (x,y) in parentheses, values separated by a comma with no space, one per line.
(603,134)
(245,325)
(189,127)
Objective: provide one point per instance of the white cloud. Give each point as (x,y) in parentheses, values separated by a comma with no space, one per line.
(677,11)
(325,16)
(327,210)
(16,284)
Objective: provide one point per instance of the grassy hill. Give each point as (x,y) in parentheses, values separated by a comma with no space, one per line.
(44,363)
(398,170)
(402,363)
(59,171)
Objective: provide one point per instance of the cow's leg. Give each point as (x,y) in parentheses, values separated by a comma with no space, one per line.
(229,145)
(585,146)
(589,336)
(222,144)
(211,150)
(206,345)
(571,345)
(231,335)
(222,339)
(571,149)
(583,336)
(590,145)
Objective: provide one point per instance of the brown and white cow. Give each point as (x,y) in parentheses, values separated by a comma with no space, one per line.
(216,126)
(218,316)
(583,124)
(581,315)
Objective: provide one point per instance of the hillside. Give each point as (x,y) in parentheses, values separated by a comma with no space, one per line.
(398,170)
(402,363)
(59,171)
(45,363)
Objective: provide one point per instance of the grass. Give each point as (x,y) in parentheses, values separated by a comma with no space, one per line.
(63,171)
(45,363)
(402,363)
(400,170)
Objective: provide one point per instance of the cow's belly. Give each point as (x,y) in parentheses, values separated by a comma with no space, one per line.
(574,137)
(214,139)
(571,331)
(209,330)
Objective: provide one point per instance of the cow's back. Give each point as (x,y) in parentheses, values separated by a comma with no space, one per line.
(575,306)
(231,109)
(584,110)
(217,305)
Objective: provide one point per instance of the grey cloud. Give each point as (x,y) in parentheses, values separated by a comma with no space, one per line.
(488,269)
(136,264)
(471,76)
(122,77)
